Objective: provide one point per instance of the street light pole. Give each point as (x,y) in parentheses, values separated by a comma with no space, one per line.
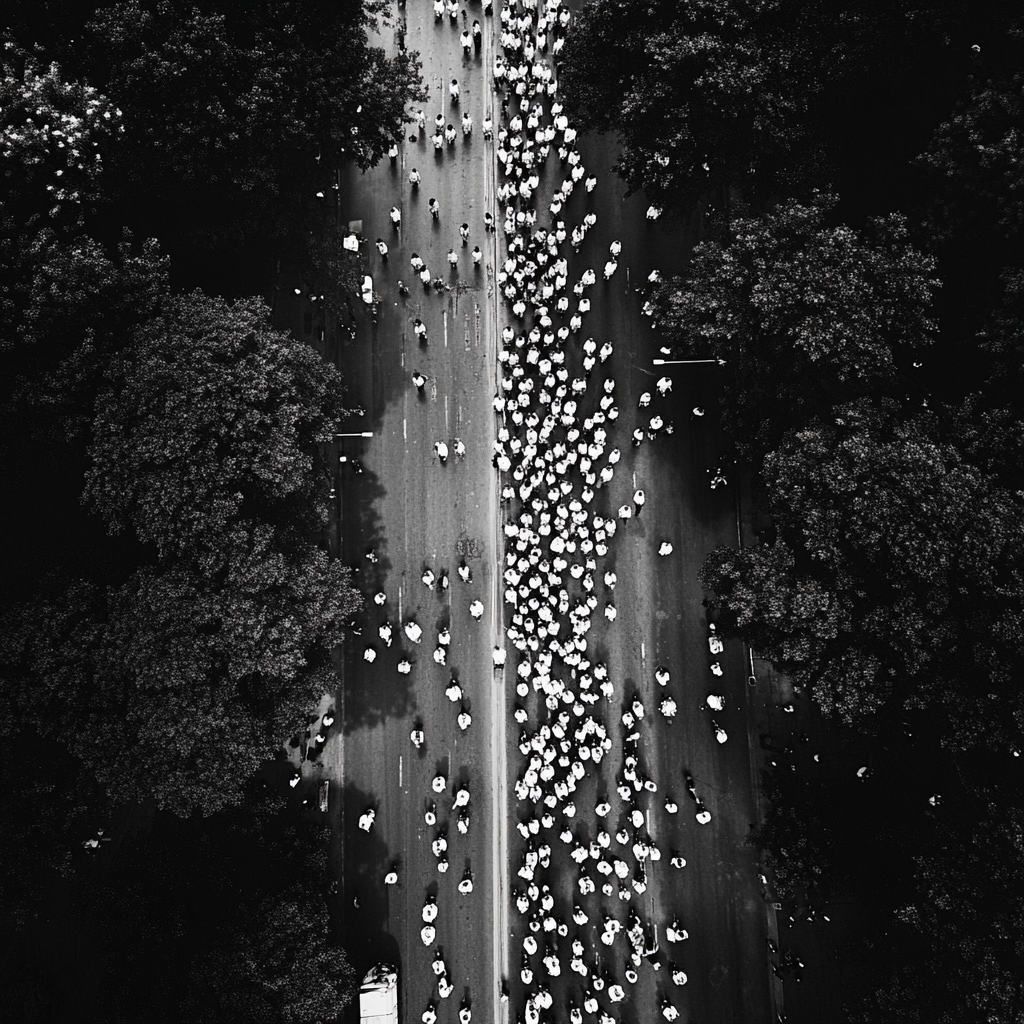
(681,362)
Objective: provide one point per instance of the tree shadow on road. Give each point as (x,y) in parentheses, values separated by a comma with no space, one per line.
(362,917)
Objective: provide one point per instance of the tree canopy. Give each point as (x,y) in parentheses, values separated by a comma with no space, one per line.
(895,576)
(210,419)
(805,314)
(208,443)
(700,94)
(229,107)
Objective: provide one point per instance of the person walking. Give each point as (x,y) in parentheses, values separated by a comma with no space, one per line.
(435,208)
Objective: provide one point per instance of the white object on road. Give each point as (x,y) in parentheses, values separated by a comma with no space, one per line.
(715,702)
(665,549)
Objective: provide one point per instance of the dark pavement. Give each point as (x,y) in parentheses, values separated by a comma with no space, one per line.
(414,513)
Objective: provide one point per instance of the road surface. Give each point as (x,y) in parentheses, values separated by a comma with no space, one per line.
(414,513)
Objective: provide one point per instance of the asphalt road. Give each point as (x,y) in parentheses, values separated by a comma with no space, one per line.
(414,513)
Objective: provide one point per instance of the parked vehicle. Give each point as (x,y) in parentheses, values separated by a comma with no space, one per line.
(378,996)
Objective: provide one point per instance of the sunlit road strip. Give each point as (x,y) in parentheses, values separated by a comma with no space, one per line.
(499,800)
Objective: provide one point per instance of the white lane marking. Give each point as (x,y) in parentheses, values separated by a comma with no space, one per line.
(444,320)
(405,430)
(446,414)
(643,651)
(399,605)
(399,771)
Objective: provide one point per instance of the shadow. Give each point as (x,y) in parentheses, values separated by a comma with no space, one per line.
(368,701)
(363,906)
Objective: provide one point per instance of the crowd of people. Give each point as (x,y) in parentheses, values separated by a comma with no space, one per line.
(585,845)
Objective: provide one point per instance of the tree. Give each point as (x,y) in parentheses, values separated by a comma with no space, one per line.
(896,575)
(769,97)
(703,95)
(229,106)
(59,283)
(799,841)
(53,136)
(211,420)
(173,689)
(805,315)
(278,960)
(952,949)
(974,166)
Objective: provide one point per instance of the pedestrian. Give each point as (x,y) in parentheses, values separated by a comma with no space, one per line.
(467,125)
(450,135)
(477,36)
(464,232)
(453,258)
(477,256)
(420,330)
(393,152)
(382,248)
(638,501)
(396,217)
(435,208)
(453,90)
(645,400)
(488,127)
(467,41)
(414,178)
